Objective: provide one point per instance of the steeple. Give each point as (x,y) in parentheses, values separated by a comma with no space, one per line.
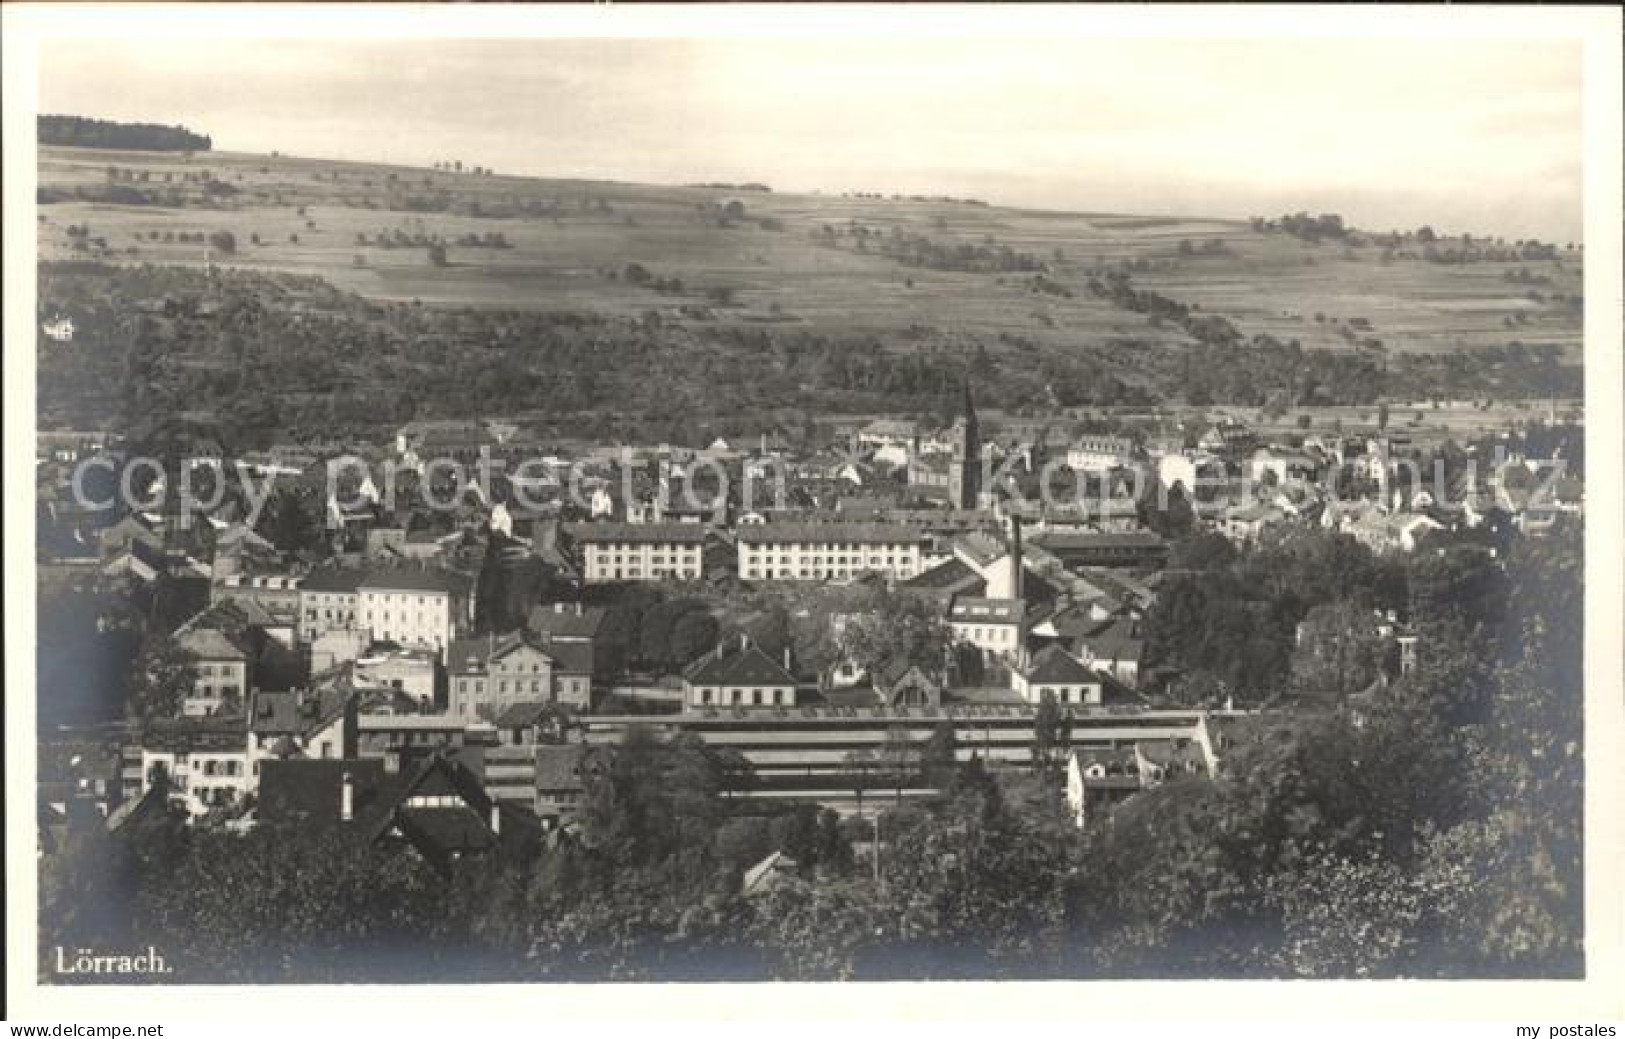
(972,430)
(965,469)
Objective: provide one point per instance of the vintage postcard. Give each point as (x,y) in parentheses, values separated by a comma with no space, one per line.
(705,500)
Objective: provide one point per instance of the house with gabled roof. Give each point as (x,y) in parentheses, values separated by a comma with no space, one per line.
(204,762)
(315,723)
(1113,648)
(738,674)
(433,805)
(899,682)
(223,657)
(487,674)
(1057,674)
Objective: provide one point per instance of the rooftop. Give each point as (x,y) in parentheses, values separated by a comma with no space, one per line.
(1055,666)
(982,610)
(829,534)
(639,533)
(411,579)
(736,666)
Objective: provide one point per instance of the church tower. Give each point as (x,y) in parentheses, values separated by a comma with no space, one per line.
(965,470)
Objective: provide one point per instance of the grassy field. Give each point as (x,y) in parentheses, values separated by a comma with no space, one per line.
(566,236)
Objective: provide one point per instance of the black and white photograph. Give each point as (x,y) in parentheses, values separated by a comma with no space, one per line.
(707,501)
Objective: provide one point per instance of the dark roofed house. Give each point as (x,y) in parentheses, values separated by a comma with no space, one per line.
(437,806)
(567,621)
(1137,548)
(738,674)
(899,682)
(1115,649)
(308,794)
(562,770)
(1055,673)
(318,723)
(945,581)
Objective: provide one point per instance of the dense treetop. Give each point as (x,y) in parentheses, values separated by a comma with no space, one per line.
(76,131)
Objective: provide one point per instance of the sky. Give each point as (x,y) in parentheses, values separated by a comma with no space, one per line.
(1479,135)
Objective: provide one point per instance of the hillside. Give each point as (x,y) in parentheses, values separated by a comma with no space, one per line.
(808,301)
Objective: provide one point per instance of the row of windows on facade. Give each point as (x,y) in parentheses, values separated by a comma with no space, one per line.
(207,767)
(517,667)
(464,686)
(807,572)
(839,555)
(205,691)
(1077,694)
(633,571)
(746,697)
(979,635)
(224,670)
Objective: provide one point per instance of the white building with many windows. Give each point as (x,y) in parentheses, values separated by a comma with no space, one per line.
(641,551)
(825,551)
(1097,452)
(994,626)
(327,601)
(410,607)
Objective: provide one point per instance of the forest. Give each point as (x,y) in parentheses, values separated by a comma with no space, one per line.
(75,131)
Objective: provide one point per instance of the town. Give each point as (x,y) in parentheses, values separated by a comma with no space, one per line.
(840,632)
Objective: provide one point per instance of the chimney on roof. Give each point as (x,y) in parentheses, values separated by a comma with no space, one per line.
(392,760)
(787,657)
(496,817)
(347,798)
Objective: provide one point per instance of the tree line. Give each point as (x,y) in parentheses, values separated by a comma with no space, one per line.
(79,132)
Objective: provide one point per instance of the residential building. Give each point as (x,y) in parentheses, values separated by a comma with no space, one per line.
(827,551)
(411,607)
(1114,649)
(1059,675)
(994,626)
(488,674)
(224,663)
(738,675)
(1099,453)
(561,775)
(205,762)
(302,723)
(328,600)
(567,621)
(641,551)
(901,683)
(434,805)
